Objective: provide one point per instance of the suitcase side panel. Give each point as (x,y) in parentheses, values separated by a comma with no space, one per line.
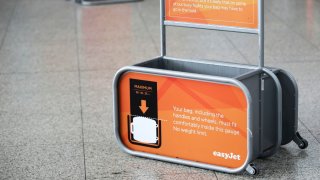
(289,106)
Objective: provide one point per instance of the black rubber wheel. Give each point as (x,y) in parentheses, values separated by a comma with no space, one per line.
(255,169)
(304,144)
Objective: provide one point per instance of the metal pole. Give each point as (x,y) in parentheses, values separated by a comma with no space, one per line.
(162,28)
(261,33)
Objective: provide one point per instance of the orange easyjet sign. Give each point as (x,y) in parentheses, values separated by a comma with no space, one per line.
(234,13)
(181,118)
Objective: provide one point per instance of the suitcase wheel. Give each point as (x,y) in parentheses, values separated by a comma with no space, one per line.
(302,143)
(252,169)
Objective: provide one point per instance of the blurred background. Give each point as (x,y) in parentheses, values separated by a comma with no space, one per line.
(57,61)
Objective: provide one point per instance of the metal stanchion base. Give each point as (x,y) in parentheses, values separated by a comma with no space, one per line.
(100,2)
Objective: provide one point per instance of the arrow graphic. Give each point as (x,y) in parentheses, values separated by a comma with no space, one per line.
(143,106)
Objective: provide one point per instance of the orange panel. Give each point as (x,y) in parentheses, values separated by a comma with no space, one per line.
(196,120)
(234,13)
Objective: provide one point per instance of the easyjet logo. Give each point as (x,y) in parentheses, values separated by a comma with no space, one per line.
(223,155)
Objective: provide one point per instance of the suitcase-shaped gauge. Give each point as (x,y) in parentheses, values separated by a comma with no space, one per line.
(208,114)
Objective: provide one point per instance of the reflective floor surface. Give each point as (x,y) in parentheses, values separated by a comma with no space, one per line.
(57,61)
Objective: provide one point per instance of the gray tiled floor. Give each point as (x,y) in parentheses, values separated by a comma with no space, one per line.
(57,61)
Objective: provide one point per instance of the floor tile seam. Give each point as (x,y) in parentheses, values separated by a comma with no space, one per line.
(215,174)
(88,142)
(294,32)
(30,113)
(148,30)
(295,61)
(37,72)
(317,140)
(43,144)
(69,92)
(243,55)
(76,32)
(8,25)
(272,61)
(237,49)
(100,69)
(110,38)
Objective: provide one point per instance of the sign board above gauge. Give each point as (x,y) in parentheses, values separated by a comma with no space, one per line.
(242,14)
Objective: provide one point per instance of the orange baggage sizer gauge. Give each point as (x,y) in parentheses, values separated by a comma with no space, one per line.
(208,114)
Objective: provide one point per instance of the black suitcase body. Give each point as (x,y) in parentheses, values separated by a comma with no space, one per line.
(290,109)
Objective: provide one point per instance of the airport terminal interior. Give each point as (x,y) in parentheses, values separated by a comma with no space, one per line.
(58,59)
